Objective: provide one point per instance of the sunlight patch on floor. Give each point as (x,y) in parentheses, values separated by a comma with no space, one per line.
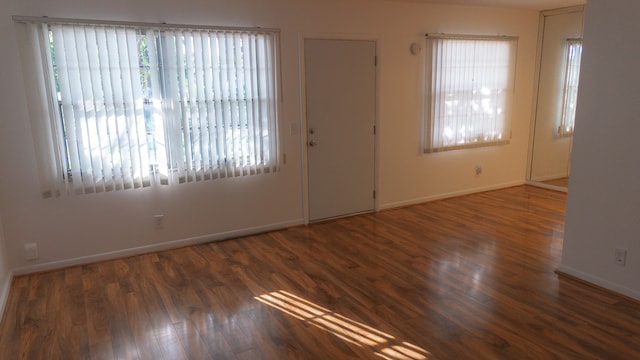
(383,344)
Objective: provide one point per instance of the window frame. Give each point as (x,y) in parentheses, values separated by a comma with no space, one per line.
(51,147)
(433,78)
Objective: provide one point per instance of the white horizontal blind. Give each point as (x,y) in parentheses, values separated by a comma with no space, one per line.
(128,106)
(570,90)
(469,86)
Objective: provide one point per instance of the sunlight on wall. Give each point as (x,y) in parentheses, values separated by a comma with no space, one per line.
(382,344)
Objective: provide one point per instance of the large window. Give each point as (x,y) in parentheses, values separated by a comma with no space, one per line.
(469,85)
(573,56)
(129,106)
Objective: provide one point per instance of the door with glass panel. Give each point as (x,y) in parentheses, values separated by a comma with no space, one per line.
(340,84)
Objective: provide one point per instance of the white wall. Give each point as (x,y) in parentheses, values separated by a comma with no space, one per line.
(406,175)
(89,225)
(603,209)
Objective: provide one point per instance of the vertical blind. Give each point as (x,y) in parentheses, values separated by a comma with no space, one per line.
(570,91)
(218,95)
(469,84)
(102,105)
(121,107)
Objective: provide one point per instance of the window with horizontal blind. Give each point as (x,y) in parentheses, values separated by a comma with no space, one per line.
(469,83)
(573,58)
(126,106)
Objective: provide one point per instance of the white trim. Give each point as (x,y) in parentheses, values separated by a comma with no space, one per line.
(550,177)
(304,131)
(598,281)
(4,293)
(451,195)
(547,186)
(471,37)
(536,86)
(563,10)
(156,247)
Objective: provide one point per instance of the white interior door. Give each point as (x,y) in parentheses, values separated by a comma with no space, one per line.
(340,81)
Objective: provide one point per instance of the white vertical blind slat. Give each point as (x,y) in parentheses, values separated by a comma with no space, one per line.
(112,177)
(139,150)
(121,149)
(42,98)
(438,100)
(231,96)
(227,124)
(208,105)
(218,123)
(98,127)
(242,47)
(192,128)
(86,123)
(183,98)
(60,42)
(127,119)
(253,103)
(160,144)
(264,85)
(173,109)
(272,136)
(203,149)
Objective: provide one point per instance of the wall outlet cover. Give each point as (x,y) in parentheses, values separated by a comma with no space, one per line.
(620,257)
(30,251)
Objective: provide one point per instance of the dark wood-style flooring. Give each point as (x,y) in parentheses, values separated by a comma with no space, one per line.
(464,278)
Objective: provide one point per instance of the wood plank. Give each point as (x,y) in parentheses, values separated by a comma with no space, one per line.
(467,277)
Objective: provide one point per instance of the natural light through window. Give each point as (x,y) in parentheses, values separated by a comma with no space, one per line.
(122,106)
(469,81)
(382,344)
(573,58)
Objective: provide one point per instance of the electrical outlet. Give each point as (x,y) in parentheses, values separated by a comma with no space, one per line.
(620,257)
(158,221)
(30,251)
(478,169)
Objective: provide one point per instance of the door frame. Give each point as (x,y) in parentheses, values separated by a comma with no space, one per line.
(304,133)
(542,17)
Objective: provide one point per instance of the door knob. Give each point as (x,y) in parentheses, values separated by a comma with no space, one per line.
(313,143)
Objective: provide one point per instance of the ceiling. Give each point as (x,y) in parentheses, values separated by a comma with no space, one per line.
(528,4)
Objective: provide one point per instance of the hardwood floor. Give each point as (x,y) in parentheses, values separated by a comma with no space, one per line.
(464,278)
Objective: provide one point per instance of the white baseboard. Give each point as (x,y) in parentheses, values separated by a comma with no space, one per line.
(450,195)
(547,186)
(623,290)
(551,177)
(4,293)
(155,247)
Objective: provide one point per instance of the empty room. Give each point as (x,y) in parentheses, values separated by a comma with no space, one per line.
(171,186)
